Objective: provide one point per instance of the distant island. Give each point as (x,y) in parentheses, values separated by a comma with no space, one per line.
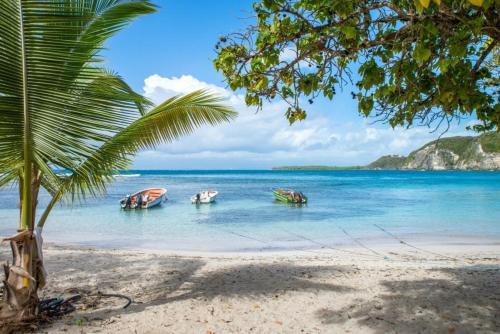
(319,167)
(452,153)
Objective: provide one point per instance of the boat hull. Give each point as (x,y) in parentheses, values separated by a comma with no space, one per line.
(155,202)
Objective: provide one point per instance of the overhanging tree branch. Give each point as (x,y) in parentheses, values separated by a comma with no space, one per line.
(442,44)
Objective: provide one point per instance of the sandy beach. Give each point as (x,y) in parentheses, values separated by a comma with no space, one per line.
(250,166)
(315,291)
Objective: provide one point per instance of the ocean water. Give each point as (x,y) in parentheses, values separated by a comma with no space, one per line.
(344,206)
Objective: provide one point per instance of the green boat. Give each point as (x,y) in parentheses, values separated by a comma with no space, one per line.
(290,196)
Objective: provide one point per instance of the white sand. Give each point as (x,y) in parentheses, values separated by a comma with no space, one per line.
(323,291)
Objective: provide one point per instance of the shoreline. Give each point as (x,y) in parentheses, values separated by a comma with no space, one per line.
(363,168)
(310,292)
(431,242)
(424,253)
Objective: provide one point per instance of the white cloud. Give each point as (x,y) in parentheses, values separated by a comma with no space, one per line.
(158,88)
(265,139)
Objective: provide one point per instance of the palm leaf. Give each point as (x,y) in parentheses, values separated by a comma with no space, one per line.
(176,117)
(67,112)
(73,106)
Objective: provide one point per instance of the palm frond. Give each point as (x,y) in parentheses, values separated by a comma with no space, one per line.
(59,105)
(169,121)
(10,177)
(73,106)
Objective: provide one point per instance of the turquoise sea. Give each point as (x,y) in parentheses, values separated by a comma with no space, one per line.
(344,206)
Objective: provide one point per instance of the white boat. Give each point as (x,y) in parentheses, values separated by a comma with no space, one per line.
(144,199)
(204,197)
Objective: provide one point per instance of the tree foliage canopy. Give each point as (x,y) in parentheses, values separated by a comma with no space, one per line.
(417,61)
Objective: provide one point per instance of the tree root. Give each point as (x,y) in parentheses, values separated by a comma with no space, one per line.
(52,309)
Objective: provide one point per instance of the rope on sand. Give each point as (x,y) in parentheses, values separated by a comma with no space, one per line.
(324,245)
(332,248)
(262,241)
(62,306)
(412,246)
(295,248)
(361,244)
(117,295)
(376,254)
(307,239)
(245,236)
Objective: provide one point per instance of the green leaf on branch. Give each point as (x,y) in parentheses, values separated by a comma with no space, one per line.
(262,83)
(477,3)
(421,53)
(424,3)
(349,32)
(366,105)
(409,56)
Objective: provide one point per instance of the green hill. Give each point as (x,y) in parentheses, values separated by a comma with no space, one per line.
(490,142)
(460,152)
(388,162)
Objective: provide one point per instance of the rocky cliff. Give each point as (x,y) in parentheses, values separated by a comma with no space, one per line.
(460,153)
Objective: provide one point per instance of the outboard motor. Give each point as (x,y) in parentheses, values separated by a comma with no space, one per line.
(138,201)
(126,202)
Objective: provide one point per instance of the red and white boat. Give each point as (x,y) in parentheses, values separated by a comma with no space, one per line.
(144,199)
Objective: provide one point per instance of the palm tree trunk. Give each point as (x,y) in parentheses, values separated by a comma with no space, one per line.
(26,274)
(20,286)
(22,277)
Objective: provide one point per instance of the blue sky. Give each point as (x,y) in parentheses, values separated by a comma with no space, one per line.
(171,52)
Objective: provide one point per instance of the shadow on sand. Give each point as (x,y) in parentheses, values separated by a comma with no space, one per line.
(469,302)
(252,280)
(154,280)
(466,300)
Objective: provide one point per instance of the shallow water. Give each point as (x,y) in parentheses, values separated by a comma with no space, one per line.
(343,205)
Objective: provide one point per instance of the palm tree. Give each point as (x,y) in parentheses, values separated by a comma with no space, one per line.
(60,110)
